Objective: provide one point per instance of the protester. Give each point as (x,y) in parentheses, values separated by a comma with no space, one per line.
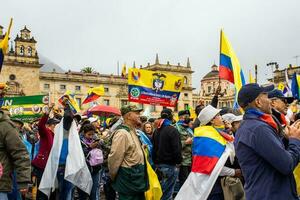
(186,138)
(148,129)
(89,143)
(126,161)
(14,157)
(232,122)
(46,131)
(211,118)
(214,103)
(265,162)
(167,153)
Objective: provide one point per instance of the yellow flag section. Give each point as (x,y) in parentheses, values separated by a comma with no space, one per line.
(297,178)
(153,87)
(4,45)
(154,192)
(251,79)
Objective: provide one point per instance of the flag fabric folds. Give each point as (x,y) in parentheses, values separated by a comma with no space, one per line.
(68,98)
(94,94)
(210,152)
(230,68)
(76,170)
(4,45)
(295,86)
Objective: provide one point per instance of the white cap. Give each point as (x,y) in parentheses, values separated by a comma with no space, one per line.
(92,119)
(229,117)
(207,114)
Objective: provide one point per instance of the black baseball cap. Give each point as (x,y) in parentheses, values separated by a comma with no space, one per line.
(184,112)
(250,92)
(166,113)
(278,94)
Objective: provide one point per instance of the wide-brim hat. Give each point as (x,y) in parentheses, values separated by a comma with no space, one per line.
(207,114)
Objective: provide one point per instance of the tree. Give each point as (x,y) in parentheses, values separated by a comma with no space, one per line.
(89,70)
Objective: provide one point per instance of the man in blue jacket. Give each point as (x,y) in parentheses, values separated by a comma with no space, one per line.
(266,164)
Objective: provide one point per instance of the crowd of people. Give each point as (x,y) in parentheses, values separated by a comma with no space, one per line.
(266,140)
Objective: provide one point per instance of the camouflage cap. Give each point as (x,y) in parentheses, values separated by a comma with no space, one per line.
(130,108)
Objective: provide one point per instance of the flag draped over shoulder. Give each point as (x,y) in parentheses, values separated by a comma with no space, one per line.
(295,86)
(76,170)
(230,68)
(4,45)
(210,152)
(94,94)
(68,98)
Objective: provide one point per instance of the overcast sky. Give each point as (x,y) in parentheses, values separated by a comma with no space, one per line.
(98,33)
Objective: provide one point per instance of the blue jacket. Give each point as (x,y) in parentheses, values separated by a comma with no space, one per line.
(266,165)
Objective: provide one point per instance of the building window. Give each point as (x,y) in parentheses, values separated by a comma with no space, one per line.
(106,102)
(78,101)
(12,77)
(185,80)
(141,106)
(62,87)
(186,106)
(209,89)
(77,88)
(186,95)
(29,51)
(124,102)
(46,86)
(21,50)
(106,89)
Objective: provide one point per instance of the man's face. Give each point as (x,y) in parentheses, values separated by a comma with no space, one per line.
(134,117)
(263,103)
(280,105)
(217,120)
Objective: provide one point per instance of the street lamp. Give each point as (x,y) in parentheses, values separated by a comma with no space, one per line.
(272,64)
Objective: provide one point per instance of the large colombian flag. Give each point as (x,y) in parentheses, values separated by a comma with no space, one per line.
(210,152)
(4,45)
(295,86)
(230,68)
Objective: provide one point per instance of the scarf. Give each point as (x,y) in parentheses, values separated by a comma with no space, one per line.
(267,118)
(226,136)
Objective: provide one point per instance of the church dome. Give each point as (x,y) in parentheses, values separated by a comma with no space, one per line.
(214,73)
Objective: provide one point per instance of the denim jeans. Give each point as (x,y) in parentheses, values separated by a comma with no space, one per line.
(169,174)
(65,188)
(3,196)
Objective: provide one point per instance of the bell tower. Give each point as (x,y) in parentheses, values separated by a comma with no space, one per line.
(25,47)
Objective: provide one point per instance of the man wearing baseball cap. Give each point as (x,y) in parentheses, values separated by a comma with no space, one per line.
(265,162)
(126,158)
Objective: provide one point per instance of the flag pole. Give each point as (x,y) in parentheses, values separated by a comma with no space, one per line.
(255,67)
(118,72)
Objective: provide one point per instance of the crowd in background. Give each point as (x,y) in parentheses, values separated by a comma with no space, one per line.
(116,150)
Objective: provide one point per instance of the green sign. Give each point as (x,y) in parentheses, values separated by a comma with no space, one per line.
(26,108)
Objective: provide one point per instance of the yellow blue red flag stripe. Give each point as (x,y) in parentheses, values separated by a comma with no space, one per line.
(4,44)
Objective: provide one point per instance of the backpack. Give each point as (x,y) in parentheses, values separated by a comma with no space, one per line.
(95,157)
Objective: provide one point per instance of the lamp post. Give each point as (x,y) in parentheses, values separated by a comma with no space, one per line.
(272,64)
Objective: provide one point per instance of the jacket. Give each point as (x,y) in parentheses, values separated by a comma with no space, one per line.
(13,156)
(46,141)
(266,165)
(186,149)
(166,145)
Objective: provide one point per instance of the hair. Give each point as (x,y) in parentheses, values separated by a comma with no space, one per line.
(143,119)
(144,126)
(88,127)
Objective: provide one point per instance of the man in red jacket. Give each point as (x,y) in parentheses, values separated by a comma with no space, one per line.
(46,131)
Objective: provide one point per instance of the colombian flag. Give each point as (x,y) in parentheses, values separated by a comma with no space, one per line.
(68,98)
(4,45)
(94,94)
(210,152)
(295,86)
(230,68)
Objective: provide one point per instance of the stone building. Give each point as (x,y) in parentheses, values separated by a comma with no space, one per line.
(279,75)
(209,84)
(28,74)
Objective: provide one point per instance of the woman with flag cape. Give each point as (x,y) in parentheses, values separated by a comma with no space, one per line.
(211,149)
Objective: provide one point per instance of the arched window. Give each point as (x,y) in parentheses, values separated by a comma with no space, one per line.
(29,51)
(21,50)
(185,80)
